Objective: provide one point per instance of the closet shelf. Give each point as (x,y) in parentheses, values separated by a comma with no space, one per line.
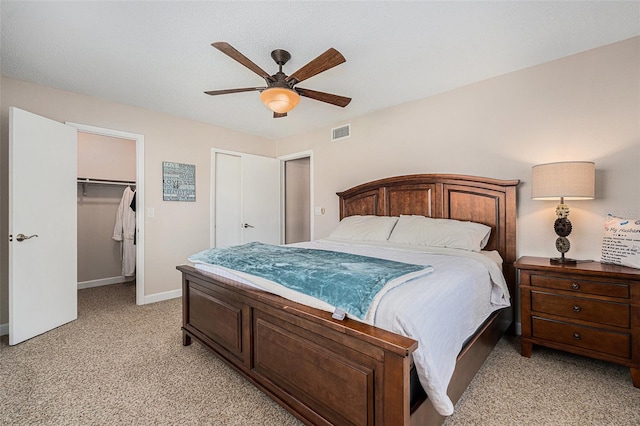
(91,181)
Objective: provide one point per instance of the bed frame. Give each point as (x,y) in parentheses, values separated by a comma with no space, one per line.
(326,371)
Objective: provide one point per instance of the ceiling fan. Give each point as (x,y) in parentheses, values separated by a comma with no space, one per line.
(280,95)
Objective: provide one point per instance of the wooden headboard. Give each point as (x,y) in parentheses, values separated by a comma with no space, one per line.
(483,200)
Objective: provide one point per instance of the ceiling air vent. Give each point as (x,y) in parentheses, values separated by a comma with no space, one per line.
(339,133)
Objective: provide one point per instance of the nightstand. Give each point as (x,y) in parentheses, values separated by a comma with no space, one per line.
(591,309)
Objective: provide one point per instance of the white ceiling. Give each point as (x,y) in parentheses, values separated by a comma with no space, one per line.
(157,55)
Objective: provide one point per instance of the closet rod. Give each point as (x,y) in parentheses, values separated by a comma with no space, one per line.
(85,181)
(106,181)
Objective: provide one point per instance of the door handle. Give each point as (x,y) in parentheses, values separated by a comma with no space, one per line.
(246,225)
(22,237)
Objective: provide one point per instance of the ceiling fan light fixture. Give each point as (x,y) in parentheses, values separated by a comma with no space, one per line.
(280,99)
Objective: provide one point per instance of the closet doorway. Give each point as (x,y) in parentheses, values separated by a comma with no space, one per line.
(255,198)
(245,199)
(297,188)
(110,166)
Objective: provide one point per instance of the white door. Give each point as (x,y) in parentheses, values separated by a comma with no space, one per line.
(42,206)
(260,199)
(246,199)
(227,209)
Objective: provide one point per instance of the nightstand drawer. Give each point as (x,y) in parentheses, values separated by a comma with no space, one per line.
(582,286)
(616,314)
(612,343)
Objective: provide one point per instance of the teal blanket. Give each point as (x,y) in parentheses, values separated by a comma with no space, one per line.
(347,281)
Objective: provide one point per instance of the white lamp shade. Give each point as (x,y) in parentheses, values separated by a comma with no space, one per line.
(571,180)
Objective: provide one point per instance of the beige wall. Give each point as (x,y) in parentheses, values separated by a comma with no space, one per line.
(178,228)
(106,157)
(99,255)
(583,107)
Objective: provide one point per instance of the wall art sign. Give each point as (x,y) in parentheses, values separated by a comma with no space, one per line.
(178,181)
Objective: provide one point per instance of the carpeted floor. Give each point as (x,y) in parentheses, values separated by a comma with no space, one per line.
(125,364)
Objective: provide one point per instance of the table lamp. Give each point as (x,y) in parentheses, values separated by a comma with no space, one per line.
(570,180)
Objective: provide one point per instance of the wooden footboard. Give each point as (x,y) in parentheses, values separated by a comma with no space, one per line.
(336,372)
(322,370)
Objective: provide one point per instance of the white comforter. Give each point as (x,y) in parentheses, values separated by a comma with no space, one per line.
(439,310)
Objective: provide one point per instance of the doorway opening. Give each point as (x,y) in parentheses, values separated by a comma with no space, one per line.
(297,200)
(110,169)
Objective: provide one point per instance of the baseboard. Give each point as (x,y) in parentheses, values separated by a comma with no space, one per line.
(159,297)
(104,281)
(4,329)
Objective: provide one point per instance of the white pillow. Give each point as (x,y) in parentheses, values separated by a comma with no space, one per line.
(425,231)
(621,242)
(364,228)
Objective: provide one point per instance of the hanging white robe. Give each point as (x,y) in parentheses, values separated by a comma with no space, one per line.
(124,231)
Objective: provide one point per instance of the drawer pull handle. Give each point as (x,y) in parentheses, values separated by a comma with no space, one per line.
(575,286)
(576,336)
(576,308)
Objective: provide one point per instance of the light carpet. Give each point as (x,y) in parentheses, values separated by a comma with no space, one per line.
(122,364)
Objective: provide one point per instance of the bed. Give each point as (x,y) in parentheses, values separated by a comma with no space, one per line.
(328,371)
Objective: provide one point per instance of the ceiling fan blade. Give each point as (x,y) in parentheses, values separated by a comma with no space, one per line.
(230,51)
(329,98)
(279,115)
(225,91)
(327,60)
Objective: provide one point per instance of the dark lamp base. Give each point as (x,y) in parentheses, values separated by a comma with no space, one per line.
(562,261)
